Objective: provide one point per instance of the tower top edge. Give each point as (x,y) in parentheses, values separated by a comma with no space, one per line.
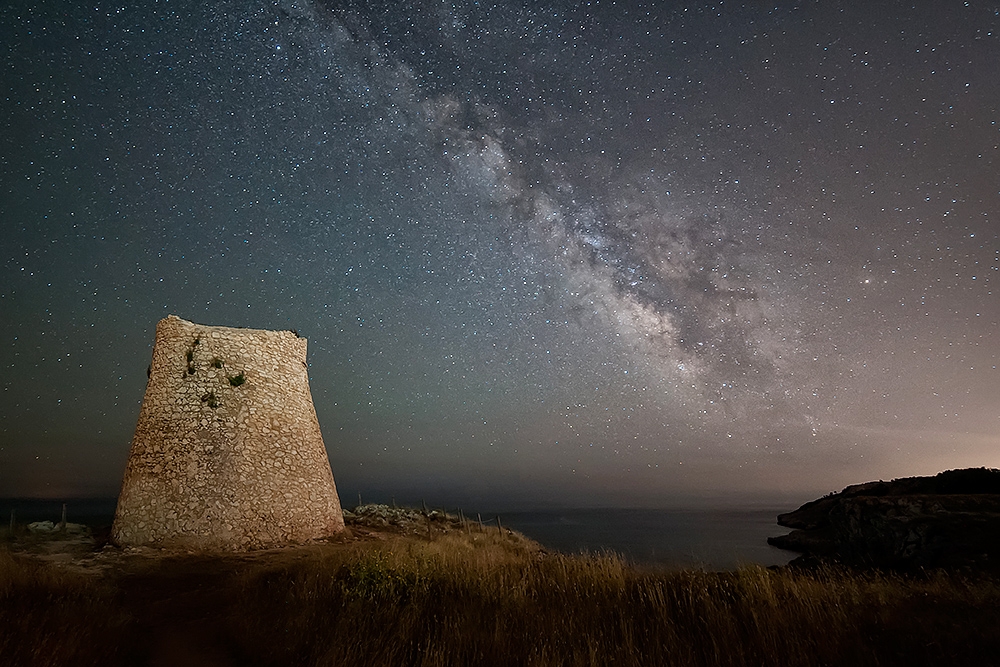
(174,322)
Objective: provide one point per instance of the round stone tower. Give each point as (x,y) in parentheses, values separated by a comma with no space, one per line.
(227,453)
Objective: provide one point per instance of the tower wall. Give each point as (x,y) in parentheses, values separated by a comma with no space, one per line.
(227,452)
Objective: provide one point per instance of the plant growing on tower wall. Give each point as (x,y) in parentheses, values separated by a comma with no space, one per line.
(190,356)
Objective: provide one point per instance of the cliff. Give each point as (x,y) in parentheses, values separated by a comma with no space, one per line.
(949,520)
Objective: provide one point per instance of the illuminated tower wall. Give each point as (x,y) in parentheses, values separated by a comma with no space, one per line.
(227,452)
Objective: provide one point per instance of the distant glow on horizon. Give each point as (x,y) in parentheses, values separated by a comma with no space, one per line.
(602,254)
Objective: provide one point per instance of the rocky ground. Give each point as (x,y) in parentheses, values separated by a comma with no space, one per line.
(86,549)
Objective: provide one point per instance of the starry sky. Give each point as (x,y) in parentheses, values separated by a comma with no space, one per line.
(579,253)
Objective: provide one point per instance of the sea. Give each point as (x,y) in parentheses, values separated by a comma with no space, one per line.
(711,539)
(88,511)
(716,538)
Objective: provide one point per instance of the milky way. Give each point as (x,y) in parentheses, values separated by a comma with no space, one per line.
(610,253)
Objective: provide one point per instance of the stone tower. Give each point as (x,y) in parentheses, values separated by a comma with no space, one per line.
(227,453)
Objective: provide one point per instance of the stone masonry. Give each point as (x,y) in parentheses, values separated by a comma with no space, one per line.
(227,453)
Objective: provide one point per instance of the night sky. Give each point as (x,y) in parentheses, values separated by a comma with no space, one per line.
(543,252)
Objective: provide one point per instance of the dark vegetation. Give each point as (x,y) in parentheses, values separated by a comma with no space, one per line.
(189,355)
(209,398)
(413,589)
(966,481)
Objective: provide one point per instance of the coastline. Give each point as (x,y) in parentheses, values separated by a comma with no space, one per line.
(715,537)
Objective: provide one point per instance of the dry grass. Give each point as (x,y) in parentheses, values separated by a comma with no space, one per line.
(500,602)
(486,598)
(49,616)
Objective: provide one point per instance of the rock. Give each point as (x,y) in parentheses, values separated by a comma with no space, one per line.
(949,520)
(55,529)
(819,541)
(383,515)
(41,527)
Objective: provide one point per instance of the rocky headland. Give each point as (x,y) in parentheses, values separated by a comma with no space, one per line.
(949,520)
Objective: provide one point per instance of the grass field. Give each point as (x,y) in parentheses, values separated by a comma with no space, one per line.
(452,603)
(488,598)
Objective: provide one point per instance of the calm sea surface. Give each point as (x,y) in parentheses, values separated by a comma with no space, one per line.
(716,539)
(89,511)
